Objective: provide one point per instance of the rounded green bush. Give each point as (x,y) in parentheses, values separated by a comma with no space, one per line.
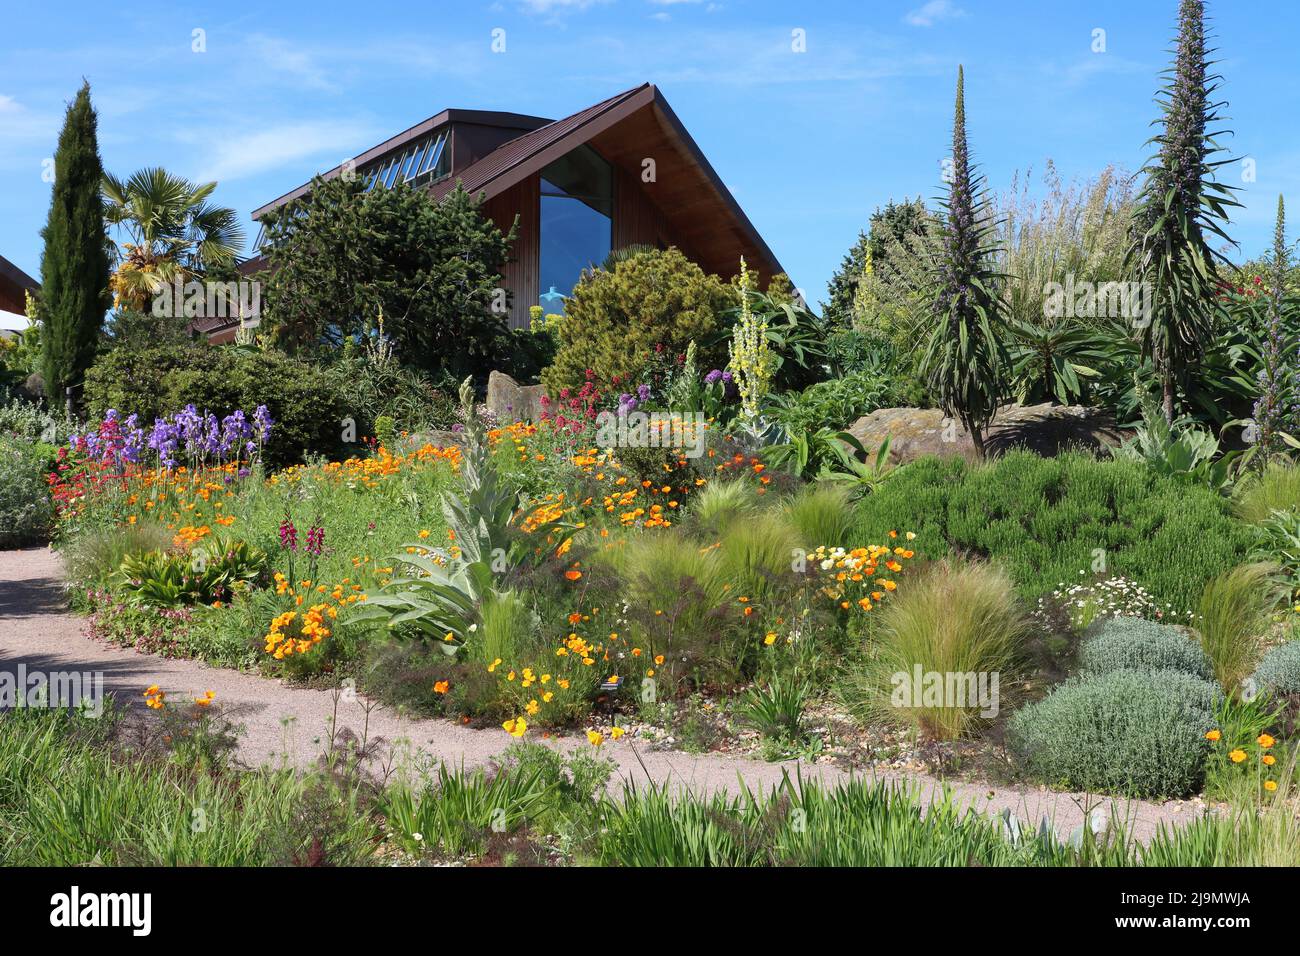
(1133,643)
(1279,671)
(25,507)
(1129,732)
(615,319)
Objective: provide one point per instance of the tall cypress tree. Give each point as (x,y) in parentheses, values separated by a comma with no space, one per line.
(1179,204)
(964,359)
(74,267)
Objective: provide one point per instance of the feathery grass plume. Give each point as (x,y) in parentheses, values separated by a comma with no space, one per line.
(958,619)
(1233,622)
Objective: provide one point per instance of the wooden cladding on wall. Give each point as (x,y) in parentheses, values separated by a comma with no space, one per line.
(520,276)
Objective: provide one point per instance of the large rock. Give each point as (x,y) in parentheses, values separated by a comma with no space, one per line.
(1046,429)
(508,401)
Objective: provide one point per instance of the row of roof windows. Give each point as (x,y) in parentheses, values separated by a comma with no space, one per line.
(426,156)
(426,159)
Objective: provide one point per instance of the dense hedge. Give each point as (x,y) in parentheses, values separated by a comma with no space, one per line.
(1044,520)
(1131,643)
(306,401)
(1135,733)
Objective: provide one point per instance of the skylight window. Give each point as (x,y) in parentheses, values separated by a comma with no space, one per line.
(413,168)
(435,153)
(415,162)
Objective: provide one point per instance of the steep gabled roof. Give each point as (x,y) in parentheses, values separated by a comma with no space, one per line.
(624,128)
(482,175)
(644,108)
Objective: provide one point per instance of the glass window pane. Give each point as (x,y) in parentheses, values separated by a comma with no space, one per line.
(435,152)
(406,165)
(576,224)
(391,175)
(413,167)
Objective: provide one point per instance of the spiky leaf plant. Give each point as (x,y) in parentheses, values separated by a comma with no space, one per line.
(1179,208)
(964,359)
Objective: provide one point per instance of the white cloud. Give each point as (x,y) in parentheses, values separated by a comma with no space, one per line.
(240,157)
(932,12)
(17,122)
(558,6)
(295,62)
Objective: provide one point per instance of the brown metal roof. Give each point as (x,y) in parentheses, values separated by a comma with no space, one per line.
(521,157)
(479,176)
(15,275)
(518,121)
(518,159)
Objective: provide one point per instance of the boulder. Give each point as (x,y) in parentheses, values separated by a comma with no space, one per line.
(1046,429)
(508,401)
(436,437)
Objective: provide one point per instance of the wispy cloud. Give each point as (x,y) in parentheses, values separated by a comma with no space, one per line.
(290,60)
(934,11)
(19,124)
(753,57)
(558,6)
(287,145)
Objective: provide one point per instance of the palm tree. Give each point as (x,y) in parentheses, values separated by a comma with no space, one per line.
(170,230)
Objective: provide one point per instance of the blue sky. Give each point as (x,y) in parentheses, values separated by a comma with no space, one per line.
(810,142)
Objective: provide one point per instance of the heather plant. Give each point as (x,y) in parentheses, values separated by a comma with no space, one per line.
(1045,519)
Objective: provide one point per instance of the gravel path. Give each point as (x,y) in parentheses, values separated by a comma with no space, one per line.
(38,631)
